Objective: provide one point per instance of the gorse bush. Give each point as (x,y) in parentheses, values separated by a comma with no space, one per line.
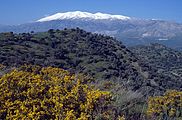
(168,106)
(32,92)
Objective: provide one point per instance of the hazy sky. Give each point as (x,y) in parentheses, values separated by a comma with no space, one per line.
(23,11)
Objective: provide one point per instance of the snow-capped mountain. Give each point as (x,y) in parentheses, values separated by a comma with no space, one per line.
(129,30)
(83,15)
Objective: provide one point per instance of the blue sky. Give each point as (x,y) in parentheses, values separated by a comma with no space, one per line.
(23,11)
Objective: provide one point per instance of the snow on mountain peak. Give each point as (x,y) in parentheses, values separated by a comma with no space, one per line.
(83,15)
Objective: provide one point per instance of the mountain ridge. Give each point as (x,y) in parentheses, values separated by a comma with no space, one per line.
(83,15)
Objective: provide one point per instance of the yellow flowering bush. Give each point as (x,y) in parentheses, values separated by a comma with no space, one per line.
(32,92)
(167,106)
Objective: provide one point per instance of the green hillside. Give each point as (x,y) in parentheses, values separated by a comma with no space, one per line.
(100,57)
(166,60)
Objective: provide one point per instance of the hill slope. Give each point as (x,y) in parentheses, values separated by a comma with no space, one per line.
(98,56)
(166,60)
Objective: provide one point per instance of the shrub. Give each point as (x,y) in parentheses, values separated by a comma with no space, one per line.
(32,92)
(168,106)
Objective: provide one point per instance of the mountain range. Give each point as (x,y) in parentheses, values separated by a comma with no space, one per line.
(131,31)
